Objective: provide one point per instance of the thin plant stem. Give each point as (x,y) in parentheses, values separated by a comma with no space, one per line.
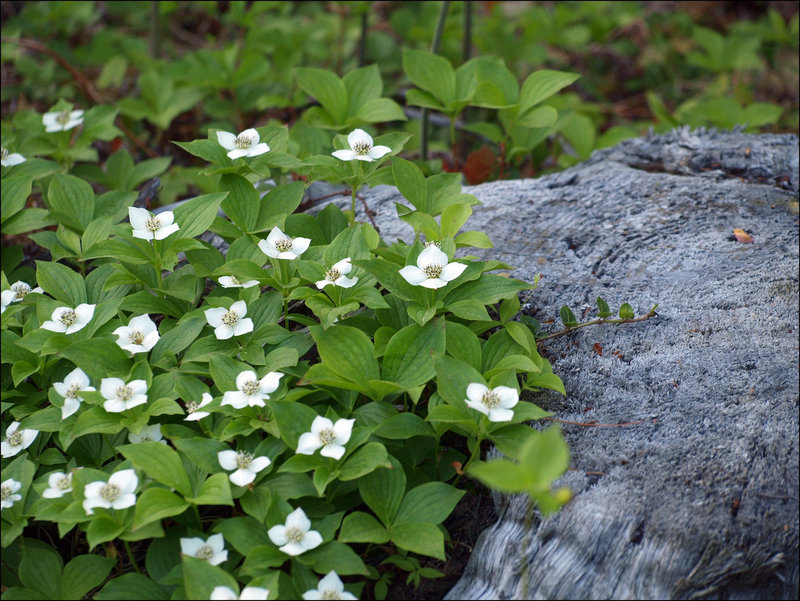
(476,451)
(466,49)
(131,557)
(362,44)
(155,30)
(157,263)
(437,40)
(594,322)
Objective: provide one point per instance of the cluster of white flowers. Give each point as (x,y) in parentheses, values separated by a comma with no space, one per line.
(17,440)
(62,120)
(326,435)
(211,550)
(8,493)
(10,159)
(246,465)
(337,275)
(251,391)
(295,536)
(139,336)
(249,593)
(193,409)
(76,382)
(246,144)
(148,226)
(117,493)
(122,396)
(329,587)
(496,403)
(68,320)
(280,246)
(229,322)
(432,269)
(16,293)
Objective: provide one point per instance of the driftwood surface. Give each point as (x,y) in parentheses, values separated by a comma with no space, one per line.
(698,498)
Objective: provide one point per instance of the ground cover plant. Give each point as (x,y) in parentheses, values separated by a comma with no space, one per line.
(296,410)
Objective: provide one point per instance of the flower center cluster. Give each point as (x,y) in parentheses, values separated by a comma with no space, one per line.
(20,289)
(332,275)
(68,317)
(491,399)
(229,318)
(284,244)
(327,436)
(432,271)
(136,337)
(243,141)
(251,387)
(124,393)
(110,493)
(63,117)
(433,243)
(15,439)
(235,280)
(72,391)
(152,223)
(191,406)
(5,492)
(330,593)
(4,155)
(64,483)
(294,534)
(243,460)
(205,552)
(362,148)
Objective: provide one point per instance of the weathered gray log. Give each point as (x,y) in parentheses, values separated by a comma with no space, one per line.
(700,499)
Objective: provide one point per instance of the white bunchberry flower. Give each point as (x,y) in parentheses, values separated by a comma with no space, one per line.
(246,144)
(245,464)
(75,383)
(280,246)
(17,440)
(9,160)
(432,269)
(193,409)
(16,293)
(61,120)
(59,484)
(324,433)
(361,148)
(231,281)
(295,536)
(67,320)
(148,434)
(122,396)
(117,493)
(139,336)
(250,593)
(336,275)
(330,587)
(148,226)
(211,550)
(229,322)
(251,391)
(496,403)
(8,490)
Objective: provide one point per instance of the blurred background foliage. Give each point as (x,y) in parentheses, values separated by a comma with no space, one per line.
(175,69)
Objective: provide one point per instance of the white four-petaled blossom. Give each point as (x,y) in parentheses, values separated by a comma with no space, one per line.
(330,587)
(10,159)
(251,391)
(148,226)
(148,434)
(495,403)
(17,440)
(58,484)
(61,120)
(324,433)
(361,148)
(280,246)
(246,466)
(246,144)
(231,281)
(139,336)
(432,269)
(250,593)
(229,322)
(121,396)
(295,536)
(336,275)
(193,409)
(16,293)
(8,490)
(68,320)
(75,382)
(117,493)
(211,550)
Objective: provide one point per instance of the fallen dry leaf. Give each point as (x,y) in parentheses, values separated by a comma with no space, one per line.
(742,236)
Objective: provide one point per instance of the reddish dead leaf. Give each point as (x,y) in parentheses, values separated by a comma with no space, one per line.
(742,236)
(598,348)
(479,165)
(457,466)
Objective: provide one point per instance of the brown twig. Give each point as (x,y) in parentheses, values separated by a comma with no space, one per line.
(88,87)
(594,424)
(651,313)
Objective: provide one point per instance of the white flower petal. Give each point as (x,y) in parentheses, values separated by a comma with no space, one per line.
(477,406)
(226,139)
(214,316)
(243,326)
(500,415)
(452,270)
(270,382)
(259,463)
(298,519)
(413,275)
(238,153)
(236,399)
(311,540)
(432,255)
(254,593)
(223,593)
(300,245)
(476,392)
(379,151)
(308,443)
(227,459)
(508,396)
(258,149)
(138,218)
(359,136)
(277,534)
(344,155)
(163,232)
(332,450)
(433,283)
(190,546)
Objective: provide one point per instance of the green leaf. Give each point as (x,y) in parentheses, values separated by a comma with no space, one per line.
(334,556)
(432,73)
(28,220)
(156,504)
(40,570)
(61,282)
(365,460)
(348,352)
(101,530)
(603,308)
(425,539)
(200,578)
(407,358)
(15,194)
(402,426)
(488,289)
(410,182)
(241,204)
(84,573)
(160,462)
(215,490)
(626,312)
(463,344)
(196,215)
(71,201)
(99,358)
(132,586)
(545,456)
(453,377)
(568,317)
(383,490)
(360,527)
(542,84)
(431,503)
(325,87)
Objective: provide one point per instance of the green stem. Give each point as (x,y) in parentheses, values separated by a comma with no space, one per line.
(476,451)
(131,557)
(594,322)
(157,263)
(437,40)
(286,313)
